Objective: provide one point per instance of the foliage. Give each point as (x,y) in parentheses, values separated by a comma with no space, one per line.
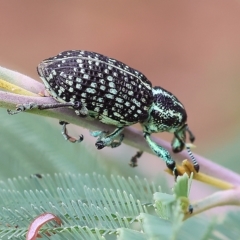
(94,205)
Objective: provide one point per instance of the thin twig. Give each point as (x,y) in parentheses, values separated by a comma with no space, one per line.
(133,137)
(20,80)
(221,198)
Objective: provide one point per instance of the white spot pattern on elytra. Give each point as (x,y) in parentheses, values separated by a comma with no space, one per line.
(78,86)
(112,84)
(93,84)
(110,96)
(136,102)
(110,78)
(102,81)
(86,76)
(78,80)
(96,88)
(117,114)
(113,91)
(91,90)
(96,109)
(69,82)
(120,100)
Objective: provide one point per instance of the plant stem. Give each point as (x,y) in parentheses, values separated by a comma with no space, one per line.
(133,137)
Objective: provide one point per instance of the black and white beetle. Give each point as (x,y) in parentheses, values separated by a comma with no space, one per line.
(114,93)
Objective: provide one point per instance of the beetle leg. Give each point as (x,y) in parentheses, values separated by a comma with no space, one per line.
(68,137)
(98,134)
(76,105)
(178,144)
(194,160)
(134,159)
(79,108)
(103,135)
(162,153)
(108,140)
(31,105)
(117,143)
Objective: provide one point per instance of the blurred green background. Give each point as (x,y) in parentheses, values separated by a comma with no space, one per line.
(191,48)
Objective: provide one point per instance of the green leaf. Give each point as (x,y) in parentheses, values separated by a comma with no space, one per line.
(155,227)
(128,234)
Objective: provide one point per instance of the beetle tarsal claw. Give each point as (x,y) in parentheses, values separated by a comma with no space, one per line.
(99,145)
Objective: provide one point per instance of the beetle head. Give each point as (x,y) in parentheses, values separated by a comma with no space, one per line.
(167,114)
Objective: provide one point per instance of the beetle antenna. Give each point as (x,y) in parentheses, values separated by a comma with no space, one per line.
(194,160)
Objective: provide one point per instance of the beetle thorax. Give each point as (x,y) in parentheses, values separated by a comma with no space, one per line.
(166,113)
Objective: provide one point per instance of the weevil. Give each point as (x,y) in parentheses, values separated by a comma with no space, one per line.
(114,93)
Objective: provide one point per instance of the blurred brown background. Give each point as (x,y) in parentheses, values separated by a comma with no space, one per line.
(191,48)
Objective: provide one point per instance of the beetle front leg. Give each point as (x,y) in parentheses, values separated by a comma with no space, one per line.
(162,153)
(105,139)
